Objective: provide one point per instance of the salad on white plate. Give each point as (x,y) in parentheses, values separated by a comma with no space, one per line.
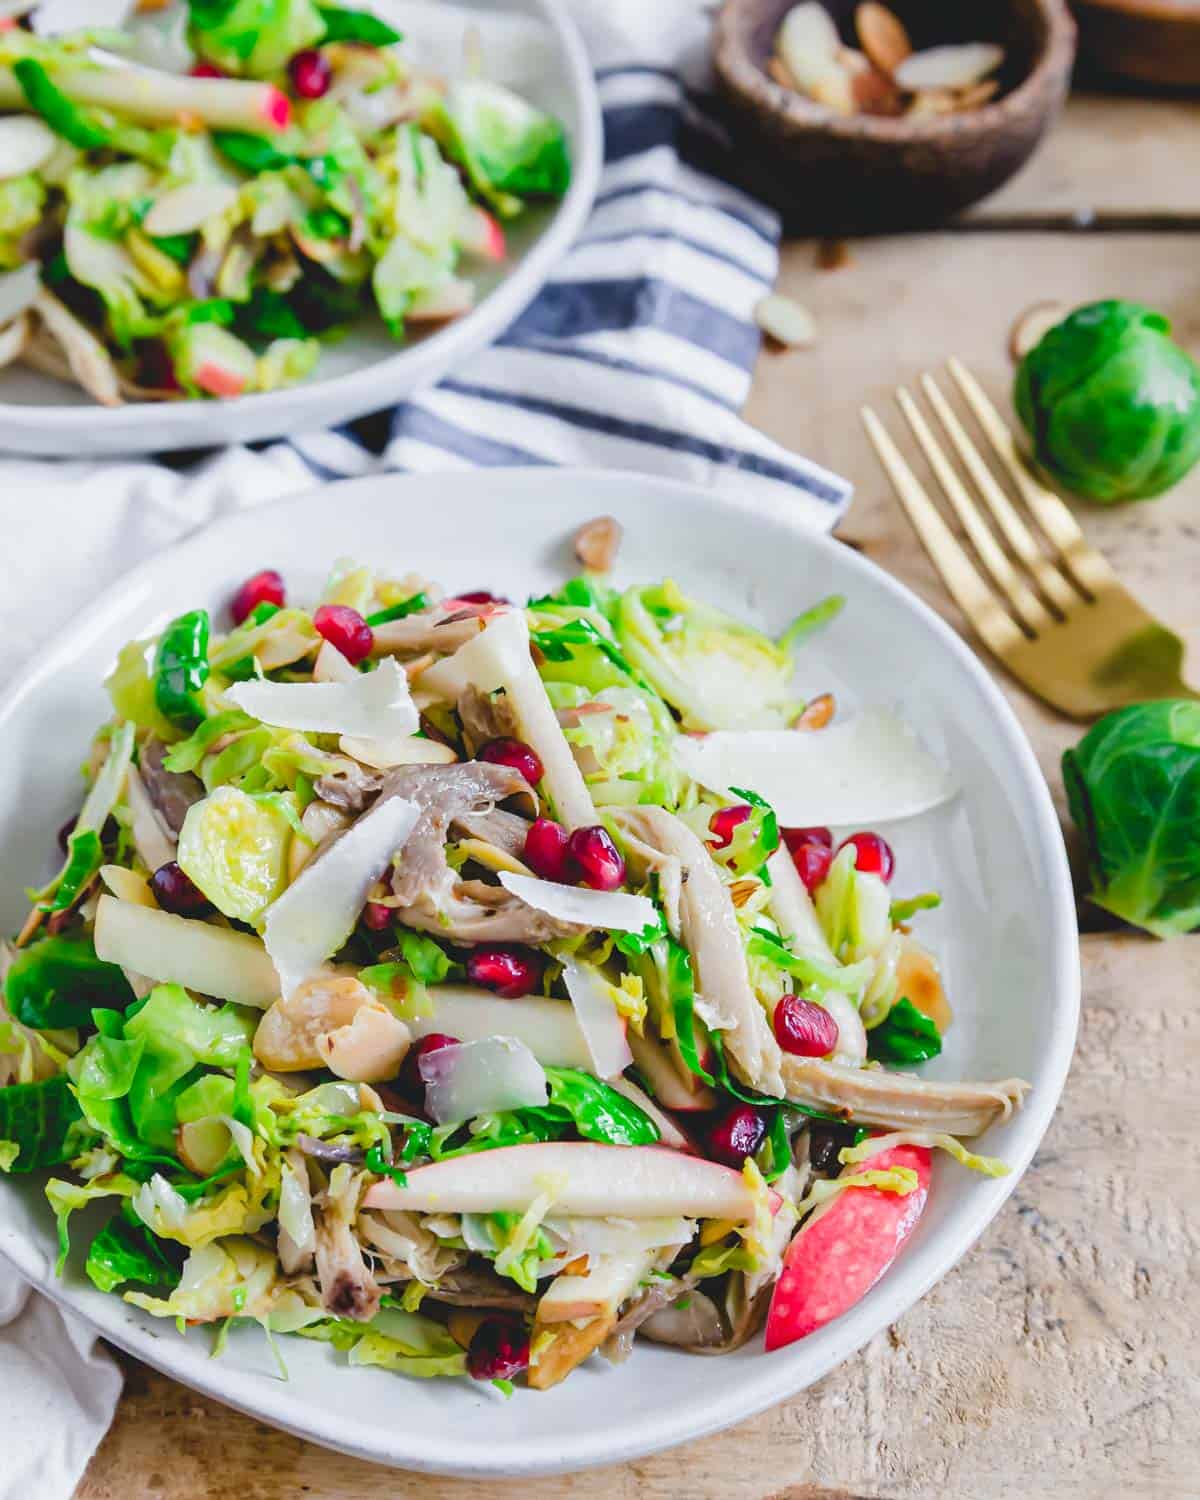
(192,200)
(425,976)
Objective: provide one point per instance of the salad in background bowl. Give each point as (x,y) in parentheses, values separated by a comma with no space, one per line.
(556,1179)
(217,202)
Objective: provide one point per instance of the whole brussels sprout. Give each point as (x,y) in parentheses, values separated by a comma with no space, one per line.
(1111,402)
(1133,788)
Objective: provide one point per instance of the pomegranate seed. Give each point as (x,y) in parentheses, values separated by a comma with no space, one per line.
(515,754)
(481,596)
(176,892)
(596,858)
(724,821)
(378,917)
(873,855)
(346,629)
(804,1028)
(499,1350)
(510,972)
(410,1070)
(794,837)
(812,863)
(260,588)
(546,851)
(204,69)
(736,1135)
(310,74)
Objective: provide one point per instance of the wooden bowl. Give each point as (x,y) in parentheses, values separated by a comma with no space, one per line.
(1149,41)
(838,174)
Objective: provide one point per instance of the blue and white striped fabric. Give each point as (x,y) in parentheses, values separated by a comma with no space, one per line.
(638,352)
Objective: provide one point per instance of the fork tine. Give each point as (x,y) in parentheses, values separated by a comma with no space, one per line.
(1088,566)
(957,571)
(1020,595)
(1051,582)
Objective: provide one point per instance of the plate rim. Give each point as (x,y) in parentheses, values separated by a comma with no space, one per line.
(528,1455)
(112,430)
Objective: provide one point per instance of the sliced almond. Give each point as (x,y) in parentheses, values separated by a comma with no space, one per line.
(835,91)
(185,209)
(876,94)
(817,713)
(808,43)
(787,322)
(1033,325)
(778,70)
(597,544)
(953,67)
(882,36)
(977,95)
(933,102)
(853,60)
(26,143)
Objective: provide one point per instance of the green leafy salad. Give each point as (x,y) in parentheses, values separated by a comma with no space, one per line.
(196,227)
(473,986)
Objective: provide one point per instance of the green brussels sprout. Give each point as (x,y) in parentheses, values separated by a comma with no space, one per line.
(1133,788)
(1111,403)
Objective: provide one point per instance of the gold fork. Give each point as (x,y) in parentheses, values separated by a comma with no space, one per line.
(1063,622)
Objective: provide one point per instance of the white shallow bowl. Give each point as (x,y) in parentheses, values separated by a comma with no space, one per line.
(1006,932)
(367,370)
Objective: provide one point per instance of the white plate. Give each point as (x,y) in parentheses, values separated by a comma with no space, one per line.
(1006,933)
(367,370)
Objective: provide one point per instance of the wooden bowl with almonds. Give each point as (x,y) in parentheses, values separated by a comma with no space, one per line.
(857,117)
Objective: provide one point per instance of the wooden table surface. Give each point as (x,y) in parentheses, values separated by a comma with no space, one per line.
(1060,1358)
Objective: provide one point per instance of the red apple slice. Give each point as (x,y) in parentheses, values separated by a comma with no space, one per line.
(591,1180)
(845,1248)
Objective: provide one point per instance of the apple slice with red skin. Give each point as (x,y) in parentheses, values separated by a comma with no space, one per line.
(843,1250)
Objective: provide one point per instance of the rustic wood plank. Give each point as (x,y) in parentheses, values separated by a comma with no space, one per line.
(902,306)
(1057,1359)
(1108,157)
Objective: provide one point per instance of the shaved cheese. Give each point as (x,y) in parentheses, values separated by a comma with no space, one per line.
(317,912)
(872,769)
(376,705)
(498,660)
(482,1078)
(332,666)
(601,1023)
(617,911)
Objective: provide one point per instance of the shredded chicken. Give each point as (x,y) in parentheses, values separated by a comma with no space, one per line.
(900,1101)
(710,931)
(350,788)
(503,830)
(402,1249)
(645,860)
(171,792)
(431,897)
(485,716)
(348,1290)
(88,360)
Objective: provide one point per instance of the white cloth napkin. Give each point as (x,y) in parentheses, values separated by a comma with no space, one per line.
(638,355)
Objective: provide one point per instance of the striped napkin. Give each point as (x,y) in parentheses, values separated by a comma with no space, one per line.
(637,354)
